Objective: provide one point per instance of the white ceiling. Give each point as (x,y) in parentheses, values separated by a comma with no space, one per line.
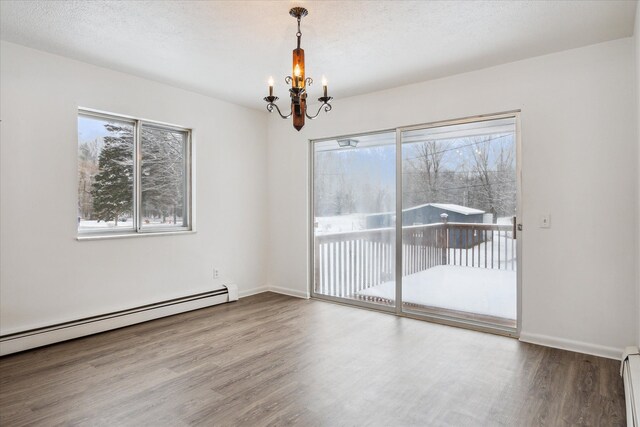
(228,49)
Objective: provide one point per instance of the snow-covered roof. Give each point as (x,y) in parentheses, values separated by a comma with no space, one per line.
(457,208)
(464,210)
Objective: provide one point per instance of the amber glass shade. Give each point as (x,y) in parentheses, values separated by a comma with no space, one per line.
(298,113)
(298,61)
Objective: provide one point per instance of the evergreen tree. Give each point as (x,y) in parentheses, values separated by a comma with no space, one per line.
(162,173)
(112,190)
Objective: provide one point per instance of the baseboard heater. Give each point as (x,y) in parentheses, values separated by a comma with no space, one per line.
(24,340)
(630,372)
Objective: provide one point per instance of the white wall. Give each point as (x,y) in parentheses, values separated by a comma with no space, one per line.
(580,164)
(580,161)
(46,275)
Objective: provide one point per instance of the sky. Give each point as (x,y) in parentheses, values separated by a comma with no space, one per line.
(90,129)
(377,164)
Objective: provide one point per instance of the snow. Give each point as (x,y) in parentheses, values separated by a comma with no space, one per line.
(504,253)
(464,210)
(505,220)
(127,224)
(95,225)
(473,290)
(446,206)
(340,223)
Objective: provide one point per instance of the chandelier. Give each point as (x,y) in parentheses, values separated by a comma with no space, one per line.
(299,83)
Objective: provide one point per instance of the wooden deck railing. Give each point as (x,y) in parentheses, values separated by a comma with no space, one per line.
(481,245)
(352,261)
(348,262)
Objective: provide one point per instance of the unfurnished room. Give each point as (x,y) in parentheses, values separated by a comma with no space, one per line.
(320,213)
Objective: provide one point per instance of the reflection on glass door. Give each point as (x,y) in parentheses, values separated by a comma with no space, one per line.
(459,198)
(354,201)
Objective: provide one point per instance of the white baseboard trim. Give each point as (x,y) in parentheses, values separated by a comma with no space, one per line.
(276,289)
(26,340)
(290,292)
(253,291)
(572,345)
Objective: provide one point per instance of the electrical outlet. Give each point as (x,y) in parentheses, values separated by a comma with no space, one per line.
(545,221)
(216,273)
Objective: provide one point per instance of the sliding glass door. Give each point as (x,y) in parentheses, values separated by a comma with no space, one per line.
(459,204)
(354,197)
(452,227)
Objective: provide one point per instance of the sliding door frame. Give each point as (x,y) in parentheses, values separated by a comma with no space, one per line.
(311,234)
(398,308)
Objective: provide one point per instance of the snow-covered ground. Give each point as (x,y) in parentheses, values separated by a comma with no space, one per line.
(341,223)
(102,225)
(483,291)
(127,224)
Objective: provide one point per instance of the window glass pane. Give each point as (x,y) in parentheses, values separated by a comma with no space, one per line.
(163,177)
(354,187)
(105,174)
(459,202)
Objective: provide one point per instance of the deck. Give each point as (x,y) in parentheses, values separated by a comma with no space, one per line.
(454,269)
(474,293)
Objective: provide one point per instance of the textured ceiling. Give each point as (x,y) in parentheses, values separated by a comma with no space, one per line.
(229,49)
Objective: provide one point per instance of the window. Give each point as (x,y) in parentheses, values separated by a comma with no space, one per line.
(134,176)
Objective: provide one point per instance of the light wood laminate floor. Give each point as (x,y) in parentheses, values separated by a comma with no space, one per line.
(276,360)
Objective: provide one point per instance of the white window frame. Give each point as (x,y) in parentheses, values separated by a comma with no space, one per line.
(138,229)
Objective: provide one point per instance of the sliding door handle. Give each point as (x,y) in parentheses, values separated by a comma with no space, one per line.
(516,227)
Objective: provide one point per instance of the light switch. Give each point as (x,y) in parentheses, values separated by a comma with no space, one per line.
(545,221)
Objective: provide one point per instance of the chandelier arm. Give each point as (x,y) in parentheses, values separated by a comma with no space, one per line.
(271,106)
(327,108)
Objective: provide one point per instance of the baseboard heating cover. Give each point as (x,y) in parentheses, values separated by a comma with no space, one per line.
(630,371)
(19,341)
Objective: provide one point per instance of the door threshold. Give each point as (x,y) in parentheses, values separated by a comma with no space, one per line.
(426,317)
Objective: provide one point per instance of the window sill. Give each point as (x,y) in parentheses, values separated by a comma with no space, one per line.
(84,237)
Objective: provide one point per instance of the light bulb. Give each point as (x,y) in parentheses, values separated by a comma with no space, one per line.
(296,71)
(271,81)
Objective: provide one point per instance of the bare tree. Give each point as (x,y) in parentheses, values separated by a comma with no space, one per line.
(480,155)
(506,179)
(88,153)
(427,165)
(476,171)
(162,171)
(493,167)
(344,199)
